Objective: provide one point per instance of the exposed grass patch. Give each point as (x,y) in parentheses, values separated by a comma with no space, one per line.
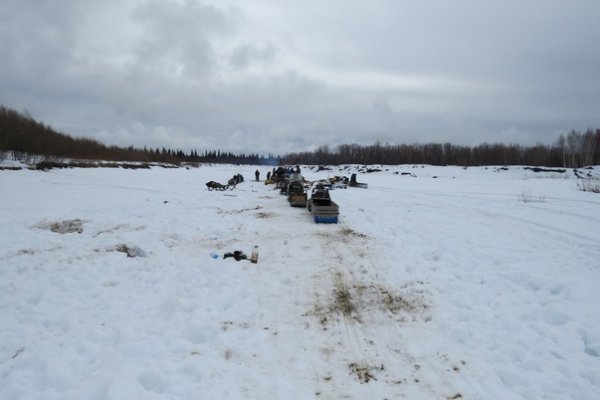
(395,303)
(342,299)
(341,303)
(589,185)
(411,303)
(353,302)
(528,197)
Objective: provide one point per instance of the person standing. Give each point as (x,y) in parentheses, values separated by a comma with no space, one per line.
(257,175)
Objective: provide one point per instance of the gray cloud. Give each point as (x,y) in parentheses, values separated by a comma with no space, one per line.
(287,76)
(176,38)
(248,53)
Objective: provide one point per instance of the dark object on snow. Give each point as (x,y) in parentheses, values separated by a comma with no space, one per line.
(278,175)
(538,169)
(580,175)
(237,255)
(338,182)
(353,182)
(212,185)
(257,175)
(282,185)
(237,178)
(231,184)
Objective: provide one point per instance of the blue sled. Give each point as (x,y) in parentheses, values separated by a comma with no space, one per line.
(326,220)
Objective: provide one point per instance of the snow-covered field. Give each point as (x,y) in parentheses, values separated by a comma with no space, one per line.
(443,283)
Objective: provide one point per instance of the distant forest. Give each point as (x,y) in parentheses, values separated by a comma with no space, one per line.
(21,135)
(573,150)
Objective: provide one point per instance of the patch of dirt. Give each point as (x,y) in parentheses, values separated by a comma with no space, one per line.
(23,252)
(62,227)
(364,373)
(233,212)
(351,232)
(344,235)
(18,352)
(120,227)
(265,215)
(130,251)
(452,366)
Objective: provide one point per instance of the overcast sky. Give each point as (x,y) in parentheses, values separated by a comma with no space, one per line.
(281,76)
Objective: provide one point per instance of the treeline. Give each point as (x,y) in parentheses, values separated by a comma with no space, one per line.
(217,156)
(21,135)
(573,150)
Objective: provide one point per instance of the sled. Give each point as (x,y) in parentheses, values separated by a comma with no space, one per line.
(212,185)
(353,182)
(322,208)
(296,194)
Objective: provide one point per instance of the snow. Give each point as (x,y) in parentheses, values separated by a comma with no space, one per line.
(448,283)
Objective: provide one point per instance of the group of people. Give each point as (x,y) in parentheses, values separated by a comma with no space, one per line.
(281,173)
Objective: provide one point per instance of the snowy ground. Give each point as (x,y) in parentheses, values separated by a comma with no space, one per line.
(442,283)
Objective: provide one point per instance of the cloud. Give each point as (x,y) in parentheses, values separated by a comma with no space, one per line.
(176,38)
(289,76)
(246,54)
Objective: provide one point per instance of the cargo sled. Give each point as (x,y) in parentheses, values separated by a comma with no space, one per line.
(322,208)
(296,194)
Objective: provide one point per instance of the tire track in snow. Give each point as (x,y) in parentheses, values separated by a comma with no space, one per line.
(544,227)
(470,209)
(372,334)
(499,198)
(424,369)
